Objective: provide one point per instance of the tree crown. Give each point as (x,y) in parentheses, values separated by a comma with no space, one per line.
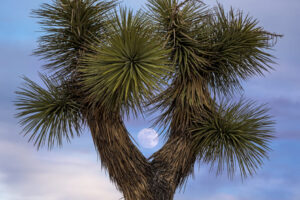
(177,56)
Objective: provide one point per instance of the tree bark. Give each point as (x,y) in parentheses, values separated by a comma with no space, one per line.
(135,176)
(126,165)
(172,165)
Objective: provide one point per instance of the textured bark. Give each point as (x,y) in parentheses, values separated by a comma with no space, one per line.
(126,165)
(158,177)
(172,165)
(135,176)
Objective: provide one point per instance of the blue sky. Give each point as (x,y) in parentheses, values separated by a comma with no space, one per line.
(74,171)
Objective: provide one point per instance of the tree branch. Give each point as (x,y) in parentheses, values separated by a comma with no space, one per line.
(172,165)
(127,166)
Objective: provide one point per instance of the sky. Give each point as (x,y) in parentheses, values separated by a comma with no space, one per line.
(74,171)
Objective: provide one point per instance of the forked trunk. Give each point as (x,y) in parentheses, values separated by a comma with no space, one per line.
(135,176)
(126,165)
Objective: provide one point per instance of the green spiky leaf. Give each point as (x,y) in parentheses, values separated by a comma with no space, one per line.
(129,68)
(240,49)
(235,136)
(48,115)
(178,25)
(70,27)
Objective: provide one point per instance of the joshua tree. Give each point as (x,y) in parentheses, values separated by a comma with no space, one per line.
(180,58)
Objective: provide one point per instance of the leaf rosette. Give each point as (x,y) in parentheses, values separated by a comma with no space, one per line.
(48,114)
(234,136)
(129,69)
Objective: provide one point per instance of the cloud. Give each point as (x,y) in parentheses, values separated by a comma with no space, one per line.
(282,83)
(223,197)
(260,187)
(288,135)
(277,179)
(287,117)
(59,175)
(284,111)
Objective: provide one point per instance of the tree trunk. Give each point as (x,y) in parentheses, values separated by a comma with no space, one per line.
(135,176)
(172,165)
(126,165)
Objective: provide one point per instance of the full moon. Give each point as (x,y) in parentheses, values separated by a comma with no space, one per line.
(148,138)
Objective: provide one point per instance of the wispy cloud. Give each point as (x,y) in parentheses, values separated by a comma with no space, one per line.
(223,197)
(60,175)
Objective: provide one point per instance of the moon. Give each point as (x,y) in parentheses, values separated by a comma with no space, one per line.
(148,138)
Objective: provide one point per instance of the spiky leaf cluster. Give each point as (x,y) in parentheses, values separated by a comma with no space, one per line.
(178,24)
(49,115)
(239,49)
(129,68)
(212,51)
(223,48)
(234,136)
(70,27)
